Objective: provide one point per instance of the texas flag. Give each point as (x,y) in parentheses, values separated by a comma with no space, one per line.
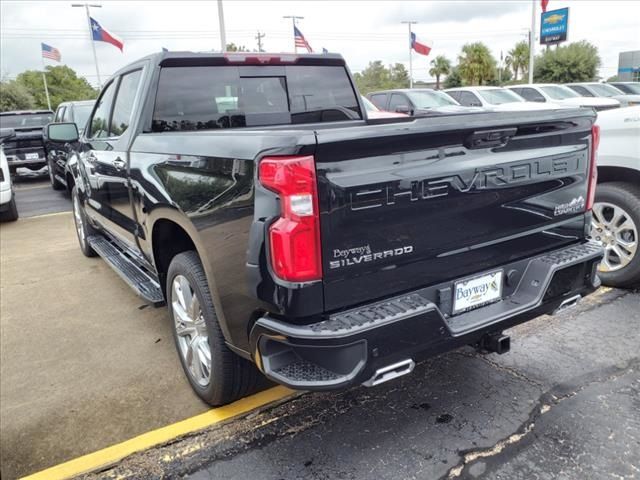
(422,48)
(101,35)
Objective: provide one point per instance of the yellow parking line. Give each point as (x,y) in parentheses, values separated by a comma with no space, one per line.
(114,453)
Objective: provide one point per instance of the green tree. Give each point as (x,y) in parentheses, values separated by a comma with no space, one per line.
(14,96)
(453,79)
(477,65)
(375,77)
(613,78)
(518,59)
(232,47)
(398,76)
(576,62)
(63,82)
(439,66)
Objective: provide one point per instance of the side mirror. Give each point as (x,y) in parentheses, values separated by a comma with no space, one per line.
(475,104)
(403,109)
(62,132)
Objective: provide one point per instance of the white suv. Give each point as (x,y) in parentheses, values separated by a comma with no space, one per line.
(616,213)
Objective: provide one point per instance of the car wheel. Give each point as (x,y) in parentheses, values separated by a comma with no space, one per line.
(83,228)
(616,225)
(11,215)
(55,183)
(217,375)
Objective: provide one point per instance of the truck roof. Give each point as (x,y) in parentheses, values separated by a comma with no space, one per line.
(26,112)
(186,58)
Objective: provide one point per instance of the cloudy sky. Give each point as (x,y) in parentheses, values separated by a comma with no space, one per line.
(361,30)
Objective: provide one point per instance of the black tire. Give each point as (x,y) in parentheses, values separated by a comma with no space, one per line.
(84,230)
(11,214)
(55,183)
(627,197)
(231,376)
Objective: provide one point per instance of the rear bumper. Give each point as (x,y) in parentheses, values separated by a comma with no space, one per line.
(351,346)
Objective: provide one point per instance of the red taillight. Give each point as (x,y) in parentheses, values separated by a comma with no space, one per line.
(294,238)
(593,170)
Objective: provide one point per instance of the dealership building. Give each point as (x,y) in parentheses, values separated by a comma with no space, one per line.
(629,66)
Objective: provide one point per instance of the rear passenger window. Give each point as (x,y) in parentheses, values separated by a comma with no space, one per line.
(379,100)
(123,107)
(233,97)
(100,119)
(581,90)
(398,100)
(531,95)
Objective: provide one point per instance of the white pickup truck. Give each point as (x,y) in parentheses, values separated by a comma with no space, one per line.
(616,213)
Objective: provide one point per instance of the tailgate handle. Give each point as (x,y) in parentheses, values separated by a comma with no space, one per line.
(489,138)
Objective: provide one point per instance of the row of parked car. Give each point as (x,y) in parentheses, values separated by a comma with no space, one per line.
(417,102)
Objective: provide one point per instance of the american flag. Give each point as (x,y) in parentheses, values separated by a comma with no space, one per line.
(49,52)
(300,40)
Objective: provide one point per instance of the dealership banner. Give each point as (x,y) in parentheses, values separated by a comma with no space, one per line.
(554,26)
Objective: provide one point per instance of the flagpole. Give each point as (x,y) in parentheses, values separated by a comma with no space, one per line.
(532,39)
(44,79)
(293,23)
(409,23)
(93,44)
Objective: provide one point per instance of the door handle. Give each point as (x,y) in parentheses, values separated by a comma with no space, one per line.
(119,164)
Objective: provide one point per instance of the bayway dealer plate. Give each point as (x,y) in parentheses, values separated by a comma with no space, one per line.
(477,291)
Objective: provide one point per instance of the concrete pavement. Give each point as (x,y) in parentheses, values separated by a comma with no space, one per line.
(83,363)
(562,404)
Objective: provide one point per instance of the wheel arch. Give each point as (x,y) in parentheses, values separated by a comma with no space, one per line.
(173,233)
(608,174)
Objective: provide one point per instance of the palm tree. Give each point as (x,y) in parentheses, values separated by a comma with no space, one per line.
(439,66)
(518,58)
(476,64)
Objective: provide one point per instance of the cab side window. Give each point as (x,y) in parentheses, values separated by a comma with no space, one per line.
(123,106)
(531,95)
(379,100)
(59,114)
(468,99)
(397,100)
(580,90)
(102,113)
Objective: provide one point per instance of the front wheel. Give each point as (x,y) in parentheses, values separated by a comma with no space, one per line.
(616,225)
(216,374)
(83,228)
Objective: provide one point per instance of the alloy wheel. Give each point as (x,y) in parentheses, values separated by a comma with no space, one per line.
(614,228)
(191,330)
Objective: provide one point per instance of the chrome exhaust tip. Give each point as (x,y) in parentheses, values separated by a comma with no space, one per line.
(567,304)
(390,372)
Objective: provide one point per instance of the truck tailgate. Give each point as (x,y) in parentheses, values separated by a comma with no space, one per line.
(407,205)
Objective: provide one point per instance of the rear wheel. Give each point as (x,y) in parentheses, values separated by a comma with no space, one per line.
(216,374)
(55,183)
(616,225)
(83,228)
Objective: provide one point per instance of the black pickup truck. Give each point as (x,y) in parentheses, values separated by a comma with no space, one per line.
(25,149)
(288,232)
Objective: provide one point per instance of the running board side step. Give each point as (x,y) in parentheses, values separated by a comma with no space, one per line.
(390,372)
(146,286)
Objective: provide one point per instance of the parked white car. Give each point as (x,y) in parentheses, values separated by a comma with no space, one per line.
(8,209)
(497,99)
(561,95)
(594,89)
(616,212)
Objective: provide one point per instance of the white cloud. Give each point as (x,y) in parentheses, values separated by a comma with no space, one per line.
(360,31)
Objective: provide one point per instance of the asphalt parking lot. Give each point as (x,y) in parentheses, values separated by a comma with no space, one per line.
(85,365)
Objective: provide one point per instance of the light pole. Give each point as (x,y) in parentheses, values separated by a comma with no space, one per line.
(294,18)
(93,44)
(532,39)
(223,33)
(409,23)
